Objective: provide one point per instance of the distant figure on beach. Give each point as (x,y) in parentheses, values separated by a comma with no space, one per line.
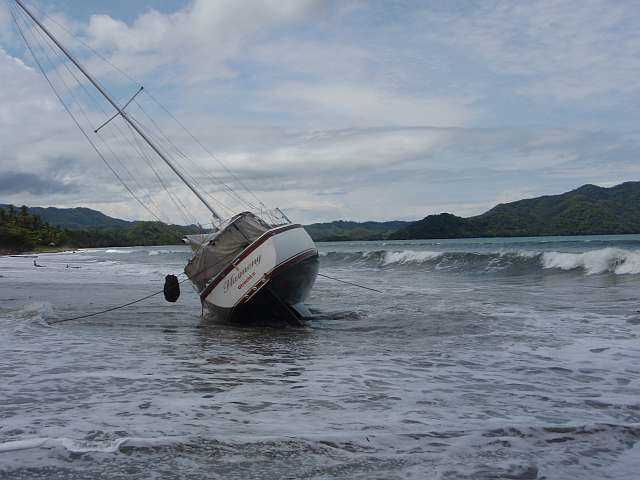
(35,264)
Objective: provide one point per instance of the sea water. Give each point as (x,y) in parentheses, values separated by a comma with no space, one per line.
(480,359)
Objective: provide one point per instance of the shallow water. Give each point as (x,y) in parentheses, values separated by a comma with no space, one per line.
(483,359)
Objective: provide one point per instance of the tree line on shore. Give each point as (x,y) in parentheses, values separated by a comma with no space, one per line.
(22,231)
(588,210)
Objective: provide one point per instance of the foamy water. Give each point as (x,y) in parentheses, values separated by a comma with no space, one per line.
(483,359)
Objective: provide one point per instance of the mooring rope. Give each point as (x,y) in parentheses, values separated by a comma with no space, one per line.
(111,309)
(349,283)
(132,302)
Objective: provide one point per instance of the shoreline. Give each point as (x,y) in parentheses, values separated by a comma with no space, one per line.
(6,252)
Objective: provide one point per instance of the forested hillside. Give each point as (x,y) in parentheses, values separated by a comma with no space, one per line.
(23,231)
(588,210)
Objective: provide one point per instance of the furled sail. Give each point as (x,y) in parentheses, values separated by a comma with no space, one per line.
(220,248)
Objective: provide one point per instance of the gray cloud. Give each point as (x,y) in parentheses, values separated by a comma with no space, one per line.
(20,182)
(338,119)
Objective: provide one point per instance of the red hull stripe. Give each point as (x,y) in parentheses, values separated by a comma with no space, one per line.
(300,257)
(244,254)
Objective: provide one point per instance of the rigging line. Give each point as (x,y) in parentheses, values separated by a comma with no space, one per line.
(195,139)
(213,178)
(148,195)
(111,100)
(84,114)
(68,110)
(185,171)
(118,113)
(86,45)
(139,150)
(123,137)
(133,142)
(126,75)
(96,103)
(204,170)
(83,111)
(146,192)
(181,154)
(174,199)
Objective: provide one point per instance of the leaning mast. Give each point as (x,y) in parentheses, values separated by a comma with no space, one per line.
(120,111)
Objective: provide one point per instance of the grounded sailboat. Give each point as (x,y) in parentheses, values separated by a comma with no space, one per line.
(250,269)
(255,266)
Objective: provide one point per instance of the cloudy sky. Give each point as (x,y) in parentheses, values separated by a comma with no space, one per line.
(347,109)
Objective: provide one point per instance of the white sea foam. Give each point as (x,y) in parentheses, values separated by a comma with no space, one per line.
(164,252)
(85,446)
(35,309)
(607,260)
(112,250)
(525,253)
(612,260)
(409,256)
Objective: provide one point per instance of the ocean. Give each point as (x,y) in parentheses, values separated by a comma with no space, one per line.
(480,359)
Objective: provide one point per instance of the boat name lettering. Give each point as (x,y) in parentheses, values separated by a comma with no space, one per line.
(246,280)
(237,275)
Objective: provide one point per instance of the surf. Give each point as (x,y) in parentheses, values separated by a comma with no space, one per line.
(609,260)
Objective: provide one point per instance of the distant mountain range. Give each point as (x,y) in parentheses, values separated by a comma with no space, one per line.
(30,228)
(588,210)
(81,218)
(341,230)
(77,218)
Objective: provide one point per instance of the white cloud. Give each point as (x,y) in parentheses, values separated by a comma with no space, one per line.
(316,59)
(5,20)
(201,38)
(560,48)
(362,105)
(339,124)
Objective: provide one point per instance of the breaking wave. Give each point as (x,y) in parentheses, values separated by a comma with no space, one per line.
(606,260)
(153,253)
(500,452)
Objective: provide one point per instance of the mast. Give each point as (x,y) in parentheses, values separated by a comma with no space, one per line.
(120,111)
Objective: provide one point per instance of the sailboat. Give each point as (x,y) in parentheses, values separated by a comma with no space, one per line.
(253,266)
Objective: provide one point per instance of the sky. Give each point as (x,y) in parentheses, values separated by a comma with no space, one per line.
(350,109)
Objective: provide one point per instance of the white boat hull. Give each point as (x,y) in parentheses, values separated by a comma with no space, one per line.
(271,277)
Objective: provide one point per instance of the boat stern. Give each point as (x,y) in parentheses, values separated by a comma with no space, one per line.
(283,260)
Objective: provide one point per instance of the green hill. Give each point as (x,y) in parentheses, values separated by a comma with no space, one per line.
(344,230)
(588,210)
(75,218)
(22,230)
